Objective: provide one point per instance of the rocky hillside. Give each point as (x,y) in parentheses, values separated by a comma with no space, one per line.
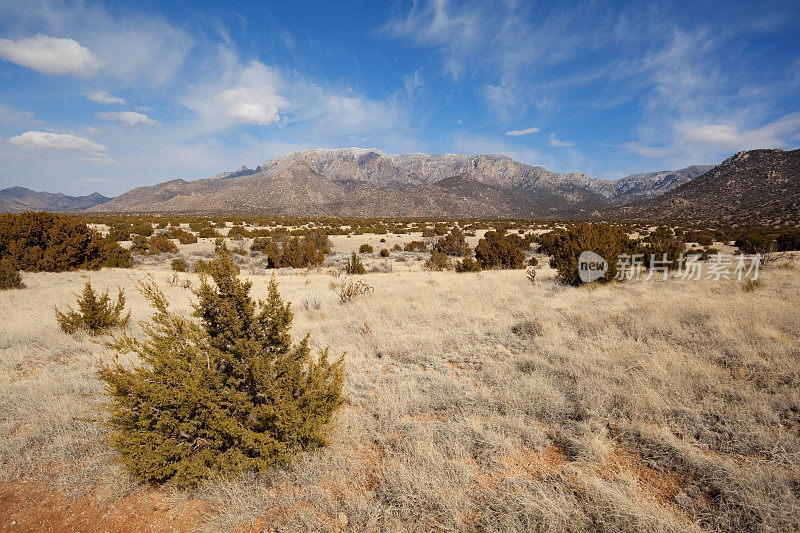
(360,182)
(753,187)
(645,186)
(19,199)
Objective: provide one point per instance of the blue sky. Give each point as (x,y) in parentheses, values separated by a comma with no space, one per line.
(109,96)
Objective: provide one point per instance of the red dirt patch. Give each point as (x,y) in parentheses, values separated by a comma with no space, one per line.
(523,463)
(656,485)
(35,507)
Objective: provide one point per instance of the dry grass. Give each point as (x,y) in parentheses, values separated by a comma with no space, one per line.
(475,402)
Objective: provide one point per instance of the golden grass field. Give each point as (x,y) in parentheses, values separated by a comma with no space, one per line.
(475,402)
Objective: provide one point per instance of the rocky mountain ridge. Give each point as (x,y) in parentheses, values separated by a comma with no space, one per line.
(752,187)
(368,182)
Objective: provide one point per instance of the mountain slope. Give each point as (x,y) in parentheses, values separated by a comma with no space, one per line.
(757,186)
(361,182)
(19,199)
(645,186)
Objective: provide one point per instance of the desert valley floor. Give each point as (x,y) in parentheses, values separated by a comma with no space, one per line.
(474,401)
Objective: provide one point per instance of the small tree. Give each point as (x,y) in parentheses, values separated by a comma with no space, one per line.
(114,256)
(437,261)
(497,250)
(208,233)
(354,265)
(300,252)
(415,246)
(468,264)
(9,274)
(453,244)
(96,314)
(145,229)
(49,242)
(608,241)
(160,244)
(227,394)
(178,265)
(183,236)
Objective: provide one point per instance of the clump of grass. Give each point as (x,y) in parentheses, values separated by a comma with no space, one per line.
(750,285)
(96,314)
(528,329)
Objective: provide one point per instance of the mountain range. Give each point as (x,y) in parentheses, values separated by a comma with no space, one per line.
(760,187)
(19,199)
(368,183)
(757,186)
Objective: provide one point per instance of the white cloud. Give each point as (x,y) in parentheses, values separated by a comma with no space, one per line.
(252,105)
(50,55)
(105,98)
(258,94)
(732,138)
(138,49)
(653,152)
(715,134)
(87,182)
(93,131)
(526,131)
(555,142)
(237,94)
(58,141)
(131,118)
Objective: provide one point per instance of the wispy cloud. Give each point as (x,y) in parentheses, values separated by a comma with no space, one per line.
(9,115)
(413,82)
(526,131)
(89,182)
(50,55)
(103,97)
(731,137)
(553,141)
(651,152)
(130,118)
